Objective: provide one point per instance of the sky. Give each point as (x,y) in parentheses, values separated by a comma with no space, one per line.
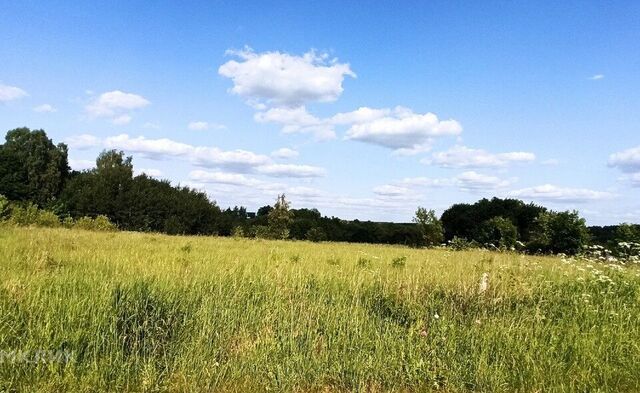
(362,111)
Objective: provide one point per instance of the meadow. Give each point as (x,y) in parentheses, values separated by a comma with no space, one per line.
(149,312)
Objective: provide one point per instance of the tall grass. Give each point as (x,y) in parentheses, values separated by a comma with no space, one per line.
(142,312)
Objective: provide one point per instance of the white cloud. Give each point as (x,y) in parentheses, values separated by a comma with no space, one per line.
(44,108)
(549,192)
(596,77)
(391,190)
(198,126)
(10,93)
(82,142)
(121,120)
(235,179)
(212,157)
(473,181)
(115,104)
(464,157)
(360,115)
(203,126)
(627,161)
(284,153)
(424,182)
(403,130)
(290,170)
(199,155)
(284,79)
(297,120)
(150,172)
(80,165)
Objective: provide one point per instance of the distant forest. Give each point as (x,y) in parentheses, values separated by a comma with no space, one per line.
(35,172)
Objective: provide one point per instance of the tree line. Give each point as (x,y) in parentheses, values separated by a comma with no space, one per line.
(35,174)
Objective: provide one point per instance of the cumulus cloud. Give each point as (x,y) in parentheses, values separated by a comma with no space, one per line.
(203,126)
(198,126)
(116,104)
(402,129)
(44,108)
(284,153)
(121,120)
(297,120)
(464,157)
(391,190)
(10,93)
(596,77)
(291,170)
(627,161)
(82,142)
(240,161)
(283,79)
(473,181)
(199,155)
(549,192)
(468,181)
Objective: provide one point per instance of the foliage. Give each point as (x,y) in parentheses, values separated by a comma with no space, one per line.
(460,244)
(100,223)
(498,232)
(430,227)
(4,207)
(316,234)
(138,203)
(280,218)
(29,214)
(464,220)
(32,168)
(559,232)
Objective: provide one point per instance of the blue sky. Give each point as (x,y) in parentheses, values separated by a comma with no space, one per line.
(361,111)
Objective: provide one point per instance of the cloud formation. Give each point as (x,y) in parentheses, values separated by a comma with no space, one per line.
(402,129)
(282,79)
(45,108)
(116,105)
(10,93)
(549,192)
(285,153)
(238,161)
(464,157)
(627,161)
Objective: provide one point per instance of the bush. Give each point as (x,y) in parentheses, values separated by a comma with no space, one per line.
(460,244)
(499,232)
(316,234)
(31,215)
(563,232)
(4,207)
(100,223)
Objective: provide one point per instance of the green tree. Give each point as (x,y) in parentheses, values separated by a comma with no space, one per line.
(32,168)
(430,226)
(559,232)
(627,233)
(499,232)
(280,218)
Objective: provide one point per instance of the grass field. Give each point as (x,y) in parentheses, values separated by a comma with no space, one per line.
(146,312)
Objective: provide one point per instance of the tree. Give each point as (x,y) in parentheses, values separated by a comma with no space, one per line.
(559,232)
(430,226)
(32,168)
(499,232)
(280,218)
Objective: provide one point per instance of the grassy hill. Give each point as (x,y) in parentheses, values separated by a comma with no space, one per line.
(145,312)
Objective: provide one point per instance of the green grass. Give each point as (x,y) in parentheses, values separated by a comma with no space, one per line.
(143,312)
